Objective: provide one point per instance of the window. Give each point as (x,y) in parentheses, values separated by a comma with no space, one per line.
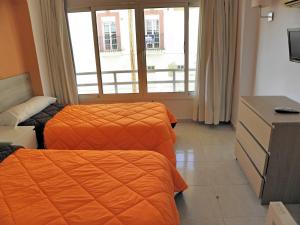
(154,29)
(108,26)
(83,52)
(193,45)
(180,67)
(150,67)
(119,72)
(111,57)
(166,77)
(152,33)
(110,35)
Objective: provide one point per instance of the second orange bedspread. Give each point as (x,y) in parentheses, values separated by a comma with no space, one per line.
(143,125)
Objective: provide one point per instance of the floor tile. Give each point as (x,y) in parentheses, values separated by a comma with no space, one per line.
(196,173)
(218,153)
(218,193)
(246,221)
(189,154)
(239,201)
(227,173)
(198,204)
(203,221)
(207,173)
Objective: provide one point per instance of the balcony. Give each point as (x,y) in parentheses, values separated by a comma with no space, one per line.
(126,81)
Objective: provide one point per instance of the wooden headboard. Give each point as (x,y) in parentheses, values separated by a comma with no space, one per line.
(14,90)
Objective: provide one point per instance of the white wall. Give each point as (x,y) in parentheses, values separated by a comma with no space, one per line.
(275,74)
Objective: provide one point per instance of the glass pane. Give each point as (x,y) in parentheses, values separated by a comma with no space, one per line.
(160,76)
(160,87)
(125,88)
(109,89)
(193,44)
(108,78)
(87,79)
(164,40)
(180,76)
(126,77)
(191,85)
(87,89)
(118,55)
(81,32)
(179,87)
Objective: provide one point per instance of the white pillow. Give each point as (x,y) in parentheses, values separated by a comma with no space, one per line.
(22,112)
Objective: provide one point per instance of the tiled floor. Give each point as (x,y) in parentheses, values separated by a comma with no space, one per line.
(218,193)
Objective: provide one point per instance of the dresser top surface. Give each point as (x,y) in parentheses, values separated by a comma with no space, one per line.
(264,106)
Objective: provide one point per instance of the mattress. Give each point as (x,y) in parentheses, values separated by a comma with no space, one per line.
(40,119)
(88,188)
(125,126)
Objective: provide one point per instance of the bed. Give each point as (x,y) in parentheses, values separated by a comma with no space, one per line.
(87,187)
(142,125)
(40,119)
(125,126)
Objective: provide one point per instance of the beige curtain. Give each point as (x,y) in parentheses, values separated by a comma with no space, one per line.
(216,60)
(58,51)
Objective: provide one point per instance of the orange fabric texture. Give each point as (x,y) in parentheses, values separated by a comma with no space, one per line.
(88,188)
(125,126)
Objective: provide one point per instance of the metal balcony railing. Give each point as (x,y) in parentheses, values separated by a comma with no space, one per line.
(171,79)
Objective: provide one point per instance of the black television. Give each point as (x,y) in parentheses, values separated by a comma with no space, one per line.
(294,44)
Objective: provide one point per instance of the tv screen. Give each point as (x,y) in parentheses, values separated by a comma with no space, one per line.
(294,44)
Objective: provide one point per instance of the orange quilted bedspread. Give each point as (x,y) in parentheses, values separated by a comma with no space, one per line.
(88,188)
(143,125)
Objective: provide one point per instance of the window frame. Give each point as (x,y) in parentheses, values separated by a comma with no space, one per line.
(160,28)
(139,6)
(101,31)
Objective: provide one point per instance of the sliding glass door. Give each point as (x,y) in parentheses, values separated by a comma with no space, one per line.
(81,32)
(118,53)
(193,45)
(164,43)
(139,50)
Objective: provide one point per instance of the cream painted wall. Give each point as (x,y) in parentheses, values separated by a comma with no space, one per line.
(275,74)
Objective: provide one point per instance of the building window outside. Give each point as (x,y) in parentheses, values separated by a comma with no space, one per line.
(180,67)
(152,33)
(150,67)
(110,35)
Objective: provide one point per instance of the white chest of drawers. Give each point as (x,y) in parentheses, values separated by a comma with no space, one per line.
(24,136)
(268,148)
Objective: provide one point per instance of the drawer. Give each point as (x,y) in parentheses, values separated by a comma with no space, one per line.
(257,126)
(257,154)
(253,176)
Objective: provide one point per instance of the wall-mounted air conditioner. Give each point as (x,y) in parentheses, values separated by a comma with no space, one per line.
(292,3)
